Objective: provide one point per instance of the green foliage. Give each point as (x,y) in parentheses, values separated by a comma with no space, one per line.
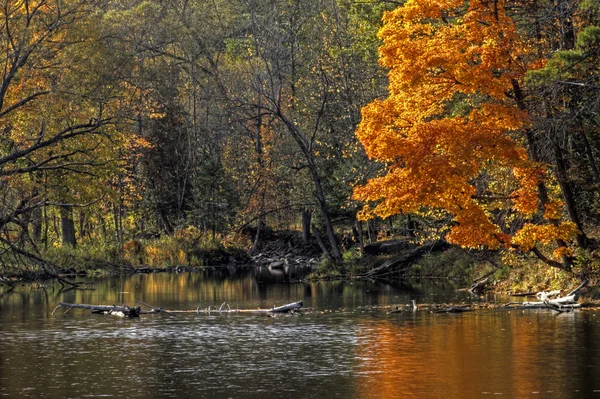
(589,37)
(528,274)
(587,263)
(590,5)
(100,256)
(566,64)
(326,269)
(188,246)
(454,263)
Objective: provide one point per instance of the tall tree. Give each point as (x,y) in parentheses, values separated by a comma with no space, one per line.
(454,133)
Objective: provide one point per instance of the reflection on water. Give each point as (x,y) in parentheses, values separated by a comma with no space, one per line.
(340,350)
(516,354)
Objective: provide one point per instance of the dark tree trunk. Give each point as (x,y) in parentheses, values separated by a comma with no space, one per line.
(67,226)
(36,224)
(590,156)
(532,149)
(164,221)
(321,243)
(259,225)
(335,250)
(306,218)
(567,192)
(371,231)
(118,223)
(412,227)
(359,230)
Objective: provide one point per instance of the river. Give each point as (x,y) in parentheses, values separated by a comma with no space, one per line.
(341,349)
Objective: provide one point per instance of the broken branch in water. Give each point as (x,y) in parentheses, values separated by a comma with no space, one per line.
(126,311)
(121,311)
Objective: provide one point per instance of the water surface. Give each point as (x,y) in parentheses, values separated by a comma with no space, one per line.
(342,349)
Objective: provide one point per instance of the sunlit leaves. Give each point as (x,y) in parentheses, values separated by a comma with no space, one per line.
(448,130)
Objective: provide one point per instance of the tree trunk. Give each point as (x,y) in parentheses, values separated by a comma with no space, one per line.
(306,148)
(321,243)
(259,224)
(361,241)
(371,231)
(68,226)
(567,192)
(36,222)
(118,223)
(532,149)
(591,159)
(306,218)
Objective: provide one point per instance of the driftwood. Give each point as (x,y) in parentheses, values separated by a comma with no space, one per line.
(550,300)
(480,285)
(579,287)
(121,311)
(290,307)
(7,282)
(126,311)
(561,304)
(547,295)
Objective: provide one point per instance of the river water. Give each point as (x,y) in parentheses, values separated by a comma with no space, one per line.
(341,349)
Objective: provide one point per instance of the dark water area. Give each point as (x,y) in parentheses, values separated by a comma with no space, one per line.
(341,349)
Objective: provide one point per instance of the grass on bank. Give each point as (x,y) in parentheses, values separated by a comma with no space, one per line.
(187,247)
(509,271)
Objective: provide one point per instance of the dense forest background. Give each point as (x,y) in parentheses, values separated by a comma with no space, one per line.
(136,130)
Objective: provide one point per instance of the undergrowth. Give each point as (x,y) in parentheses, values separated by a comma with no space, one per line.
(187,247)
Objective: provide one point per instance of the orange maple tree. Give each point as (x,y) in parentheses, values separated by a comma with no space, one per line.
(450,130)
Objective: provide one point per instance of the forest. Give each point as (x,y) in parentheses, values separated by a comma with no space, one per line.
(187,132)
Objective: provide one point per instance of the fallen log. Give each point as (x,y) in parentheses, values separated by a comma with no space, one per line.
(579,287)
(128,312)
(387,247)
(547,295)
(287,308)
(290,307)
(566,300)
(406,260)
(120,311)
(479,287)
(561,308)
(561,304)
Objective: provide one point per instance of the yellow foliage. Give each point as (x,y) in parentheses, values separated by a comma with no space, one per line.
(531,234)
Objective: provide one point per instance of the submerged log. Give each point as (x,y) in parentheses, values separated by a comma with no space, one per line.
(454,309)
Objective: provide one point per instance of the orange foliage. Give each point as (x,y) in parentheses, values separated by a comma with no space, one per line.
(447,120)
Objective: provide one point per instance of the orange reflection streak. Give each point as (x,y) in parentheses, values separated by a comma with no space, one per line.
(456,356)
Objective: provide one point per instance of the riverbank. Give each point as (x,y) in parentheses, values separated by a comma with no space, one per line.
(190,251)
